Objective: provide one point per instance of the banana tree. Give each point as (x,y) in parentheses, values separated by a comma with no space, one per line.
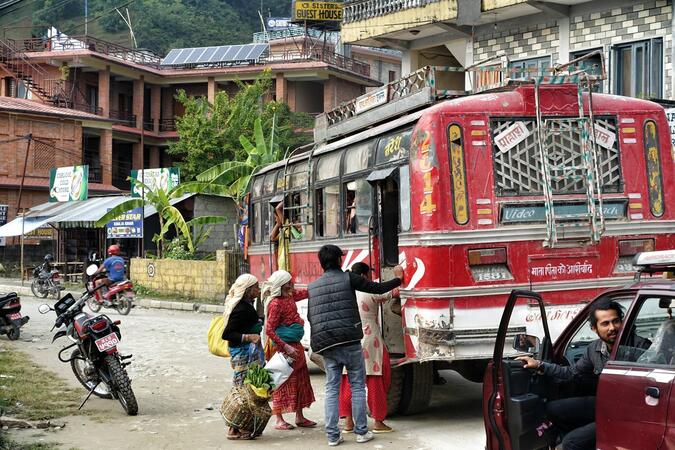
(235,176)
(168,214)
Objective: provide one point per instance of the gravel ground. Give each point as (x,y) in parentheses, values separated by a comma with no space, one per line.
(180,385)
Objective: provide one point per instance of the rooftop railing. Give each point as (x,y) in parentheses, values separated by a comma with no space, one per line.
(357,10)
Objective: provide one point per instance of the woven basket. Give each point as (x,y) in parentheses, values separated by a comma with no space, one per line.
(244,410)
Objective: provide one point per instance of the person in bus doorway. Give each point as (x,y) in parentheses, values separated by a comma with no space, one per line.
(285,328)
(336,335)
(375,355)
(576,416)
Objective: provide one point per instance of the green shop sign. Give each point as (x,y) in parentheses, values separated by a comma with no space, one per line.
(537,213)
(163,178)
(68,183)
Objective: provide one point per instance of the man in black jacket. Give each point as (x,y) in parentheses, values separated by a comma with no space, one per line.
(336,334)
(576,415)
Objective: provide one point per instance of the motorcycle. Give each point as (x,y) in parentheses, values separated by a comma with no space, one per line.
(11,320)
(95,359)
(46,283)
(119,295)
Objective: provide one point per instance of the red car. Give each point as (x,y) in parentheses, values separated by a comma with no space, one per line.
(634,407)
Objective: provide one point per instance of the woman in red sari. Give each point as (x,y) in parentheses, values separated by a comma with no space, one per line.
(296,393)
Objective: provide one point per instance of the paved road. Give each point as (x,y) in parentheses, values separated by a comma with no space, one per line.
(179,387)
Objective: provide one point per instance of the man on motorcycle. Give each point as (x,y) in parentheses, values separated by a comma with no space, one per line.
(114,265)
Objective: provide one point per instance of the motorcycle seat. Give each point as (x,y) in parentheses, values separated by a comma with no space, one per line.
(4,298)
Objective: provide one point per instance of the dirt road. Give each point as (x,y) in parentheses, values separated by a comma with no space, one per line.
(180,385)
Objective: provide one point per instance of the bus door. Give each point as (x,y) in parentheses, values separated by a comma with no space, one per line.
(386,214)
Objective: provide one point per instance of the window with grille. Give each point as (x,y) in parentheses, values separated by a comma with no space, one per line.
(519,172)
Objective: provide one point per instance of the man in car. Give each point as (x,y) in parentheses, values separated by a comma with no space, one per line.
(576,416)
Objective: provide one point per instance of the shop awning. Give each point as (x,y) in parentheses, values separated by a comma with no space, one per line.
(83,214)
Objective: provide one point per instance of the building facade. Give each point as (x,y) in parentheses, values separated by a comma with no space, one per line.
(635,36)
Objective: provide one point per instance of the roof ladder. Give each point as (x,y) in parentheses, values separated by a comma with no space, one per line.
(587,226)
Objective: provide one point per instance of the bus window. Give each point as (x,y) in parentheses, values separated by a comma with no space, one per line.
(458,175)
(265,217)
(269,183)
(356,158)
(404,180)
(327,205)
(257,187)
(298,176)
(257,222)
(654,186)
(358,206)
(297,214)
(328,167)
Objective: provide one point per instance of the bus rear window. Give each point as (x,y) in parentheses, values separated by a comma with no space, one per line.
(653,160)
(458,175)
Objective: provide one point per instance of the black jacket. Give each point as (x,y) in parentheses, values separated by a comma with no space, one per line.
(333,312)
(242,319)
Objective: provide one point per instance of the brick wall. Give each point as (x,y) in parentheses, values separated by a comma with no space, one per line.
(187,279)
(519,42)
(211,205)
(643,20)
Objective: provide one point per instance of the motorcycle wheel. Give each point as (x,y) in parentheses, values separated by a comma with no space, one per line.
(78,364)
(14,333)
(35,288)
(94,305)
(122,384)
(123,305)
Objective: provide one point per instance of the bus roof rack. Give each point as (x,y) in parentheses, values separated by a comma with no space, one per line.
(653,262)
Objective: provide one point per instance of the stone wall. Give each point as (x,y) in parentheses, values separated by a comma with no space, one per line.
(211,205)
(187,279)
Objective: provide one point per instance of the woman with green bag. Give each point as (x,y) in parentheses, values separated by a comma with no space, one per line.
(242,332)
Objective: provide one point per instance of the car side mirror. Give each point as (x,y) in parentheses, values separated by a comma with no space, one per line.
(44,308)
(526,343)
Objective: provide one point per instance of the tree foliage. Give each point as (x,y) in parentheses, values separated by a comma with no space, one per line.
(210,133)
(161,25)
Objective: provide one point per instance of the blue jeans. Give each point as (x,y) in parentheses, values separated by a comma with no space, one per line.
(335,359)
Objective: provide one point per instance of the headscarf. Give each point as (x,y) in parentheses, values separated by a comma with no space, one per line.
(274,283)
(236,293)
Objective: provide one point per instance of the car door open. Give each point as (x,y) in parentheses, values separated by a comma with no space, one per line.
(514,397)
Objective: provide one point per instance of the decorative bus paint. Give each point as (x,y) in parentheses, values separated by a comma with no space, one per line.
(456,198)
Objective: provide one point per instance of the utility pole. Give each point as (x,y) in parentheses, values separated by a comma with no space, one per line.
(18,206)
(86,15)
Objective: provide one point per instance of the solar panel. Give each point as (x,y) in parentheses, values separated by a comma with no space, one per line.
(223,55)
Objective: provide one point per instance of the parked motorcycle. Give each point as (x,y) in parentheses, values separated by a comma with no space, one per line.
(95,360)
(11,320)
(46,282)
(119,295)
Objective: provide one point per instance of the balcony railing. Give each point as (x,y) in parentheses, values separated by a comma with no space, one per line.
(326,56)
(356,10)
(126,117)
(148,125)
(167,124)
(60,44)
(266,36)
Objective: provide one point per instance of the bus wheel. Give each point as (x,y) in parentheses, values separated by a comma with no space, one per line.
(416,392)
(395,390)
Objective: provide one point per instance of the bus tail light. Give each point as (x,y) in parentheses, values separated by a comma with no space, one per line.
(634,246)
(489,264)
(627,250)
(487,256)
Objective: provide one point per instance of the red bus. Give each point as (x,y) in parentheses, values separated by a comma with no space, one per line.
(475,196)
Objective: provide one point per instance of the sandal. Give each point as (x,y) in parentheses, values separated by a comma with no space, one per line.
(284,426)
(306,424)
(240,437)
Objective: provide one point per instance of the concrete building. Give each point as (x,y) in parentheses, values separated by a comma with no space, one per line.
(635,36)
(118,104)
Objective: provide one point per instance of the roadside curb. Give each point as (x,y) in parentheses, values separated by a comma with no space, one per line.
(149,303)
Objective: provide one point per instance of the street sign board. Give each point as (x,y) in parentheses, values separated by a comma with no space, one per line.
(128,225)
(317,11)
(162,178)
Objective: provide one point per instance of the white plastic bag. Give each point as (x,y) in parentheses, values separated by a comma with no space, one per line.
(280,369)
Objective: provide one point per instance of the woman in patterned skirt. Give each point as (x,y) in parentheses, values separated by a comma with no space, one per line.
(375,355)
(242,332)
(296,393)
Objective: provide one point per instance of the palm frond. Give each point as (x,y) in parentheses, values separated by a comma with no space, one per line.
(172,214)
(118,210)
(205,220)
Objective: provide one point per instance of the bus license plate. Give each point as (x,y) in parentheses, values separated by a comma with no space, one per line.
(15,316)
(107,342)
